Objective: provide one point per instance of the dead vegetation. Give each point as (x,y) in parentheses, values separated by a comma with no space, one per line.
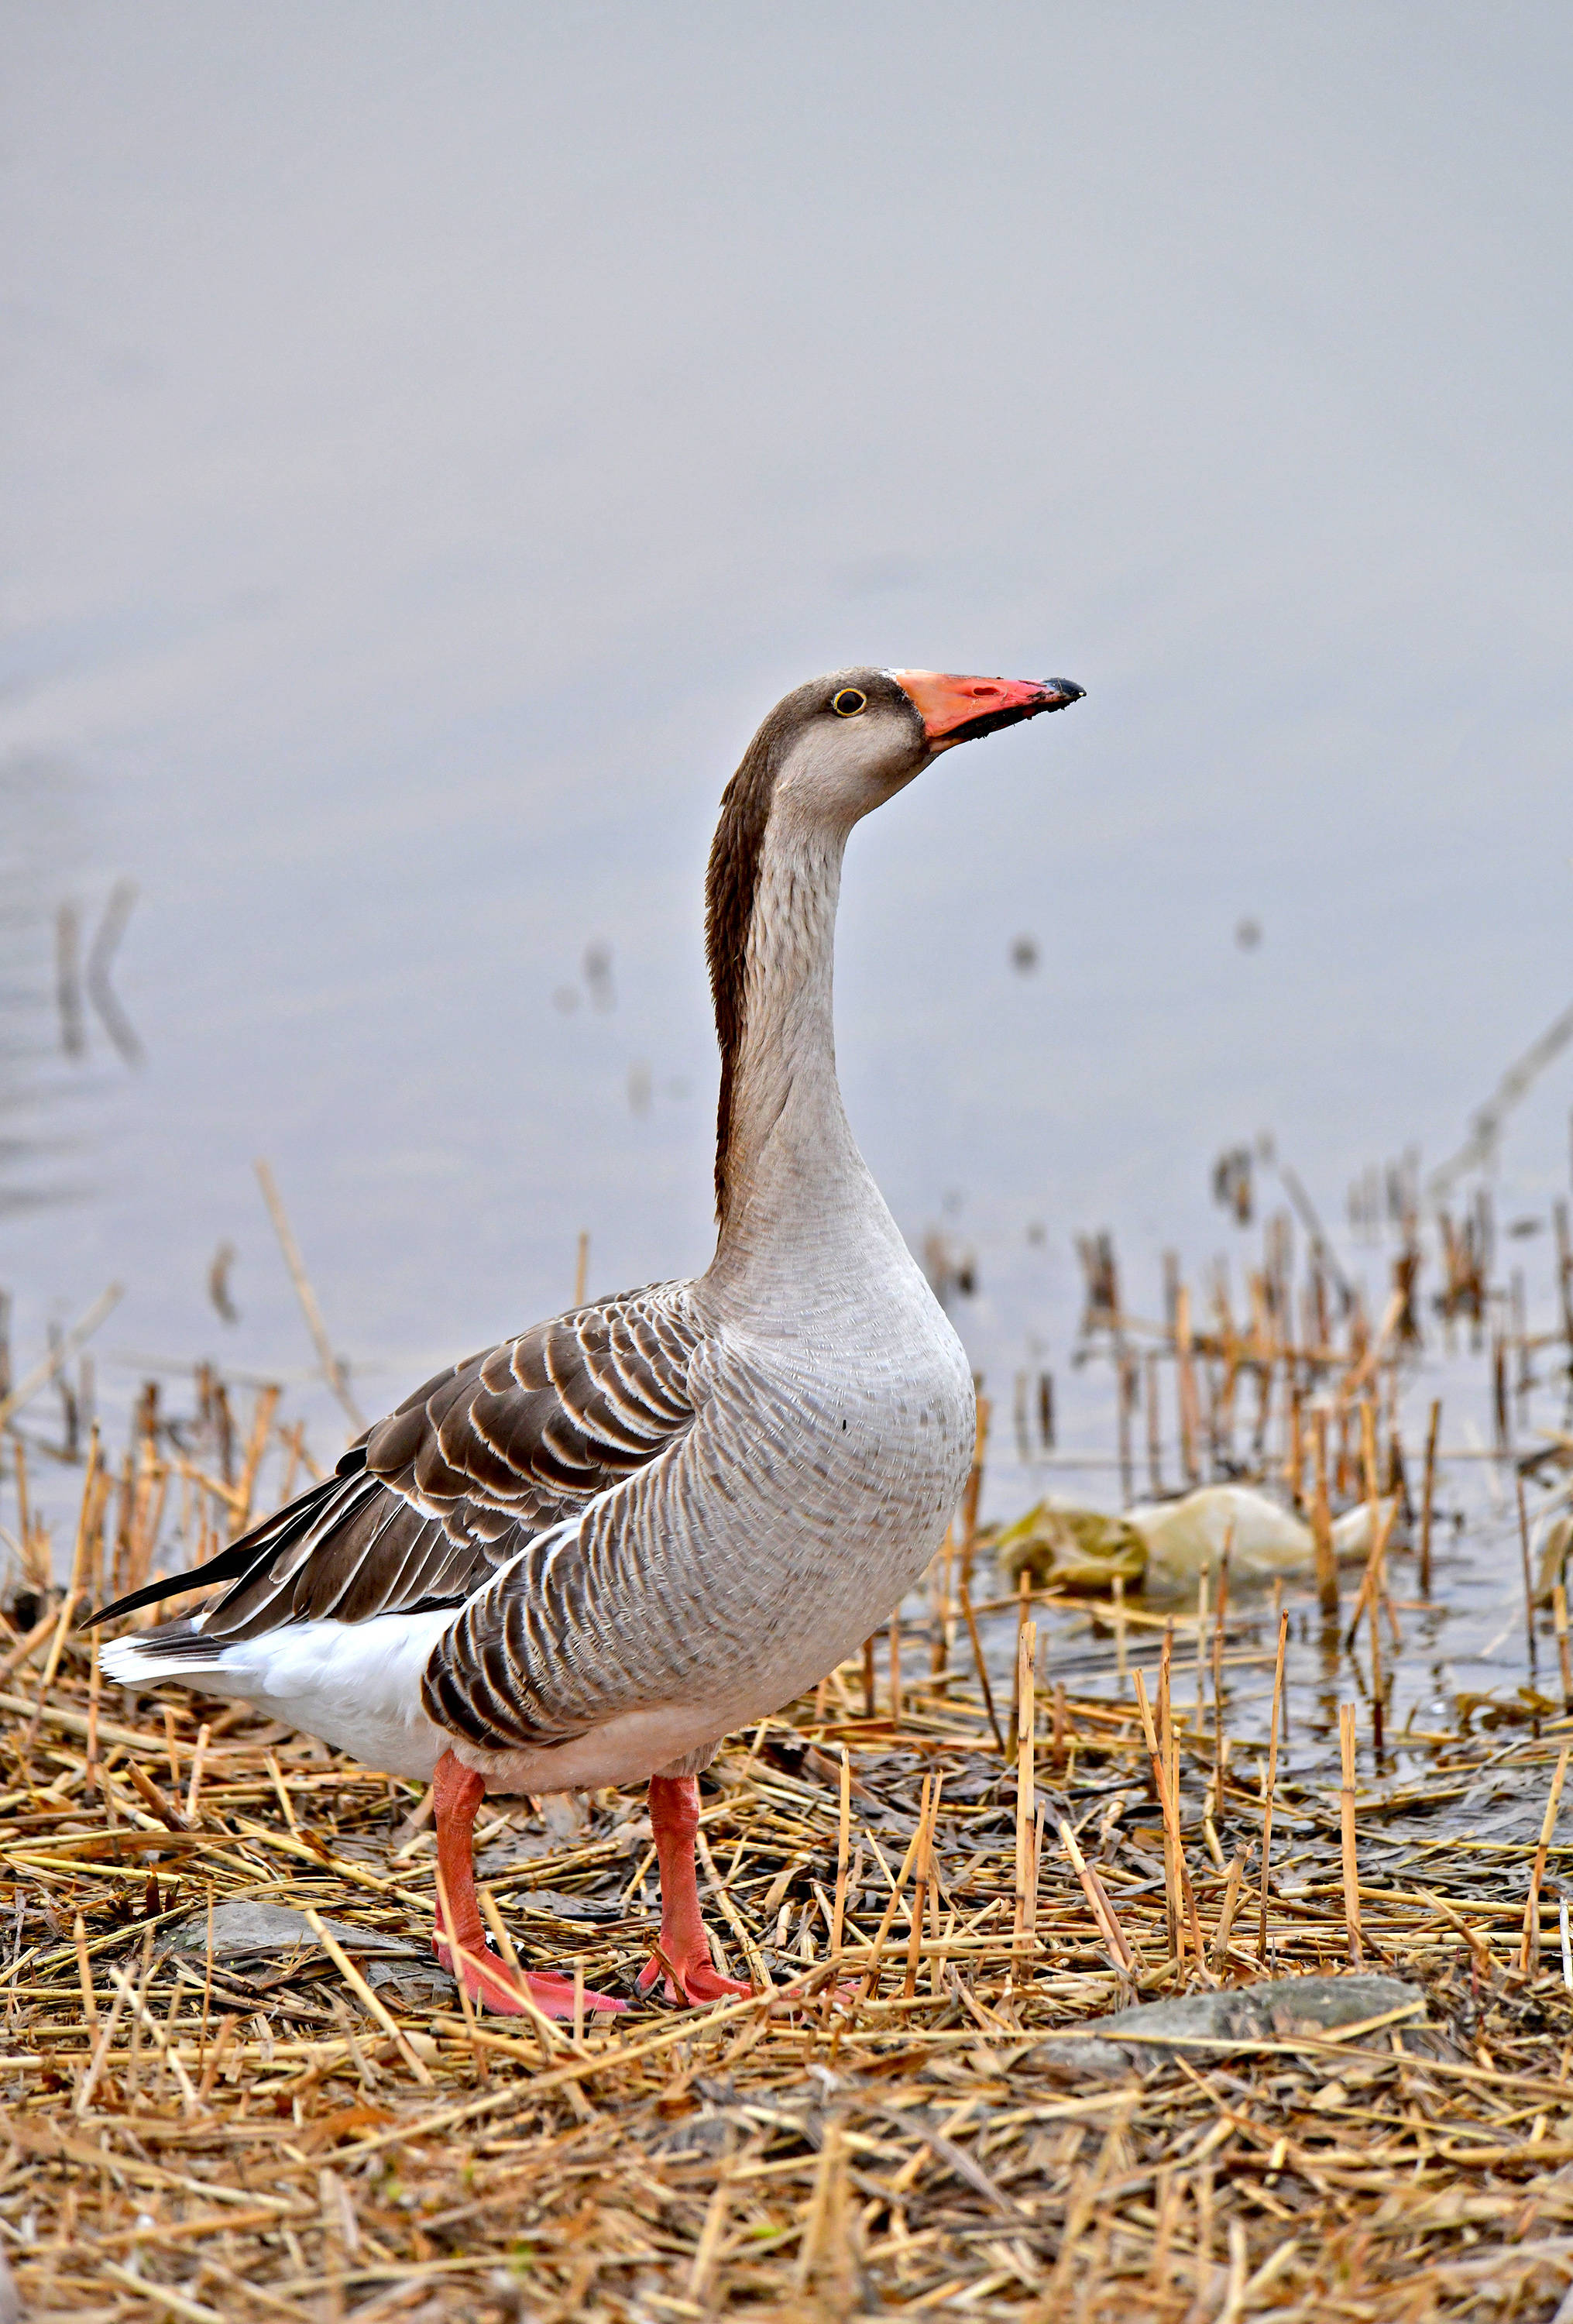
(938,1873)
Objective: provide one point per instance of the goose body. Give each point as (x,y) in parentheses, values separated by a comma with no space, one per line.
(584,1556)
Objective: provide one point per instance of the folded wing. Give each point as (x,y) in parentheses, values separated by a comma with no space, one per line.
(465,1474)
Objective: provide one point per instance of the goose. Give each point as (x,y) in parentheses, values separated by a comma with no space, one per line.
(583,1557)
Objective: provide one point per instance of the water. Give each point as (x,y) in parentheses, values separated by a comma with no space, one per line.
(427,456)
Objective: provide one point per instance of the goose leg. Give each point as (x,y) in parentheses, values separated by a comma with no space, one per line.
(488,1981)
(674,1824)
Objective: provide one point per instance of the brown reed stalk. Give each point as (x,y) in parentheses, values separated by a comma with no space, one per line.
(1529,1952)
(1233,1889)
(1103,1913)
(971,1619)
(942,1621)
(1271,1785)
(895,1670)
(844,1839)
(923,1874)
(1185,1372)
(1296,1465)
(1025,1795)
(1219,1754)
(267,1404)
(1565,1658)
(1321,1521)
(1346,1834)
(973,1491)
(1023,1609)
(1529,1587)
(333,1370)
(358,1986)
(1428,1496)
(1155,1427)
(870,1984)
(1174,1907)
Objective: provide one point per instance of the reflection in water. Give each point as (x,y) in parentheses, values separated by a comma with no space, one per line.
(45,1064)
(60,1014)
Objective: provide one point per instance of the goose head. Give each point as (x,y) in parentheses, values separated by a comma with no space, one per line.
(845,743)
(828,754)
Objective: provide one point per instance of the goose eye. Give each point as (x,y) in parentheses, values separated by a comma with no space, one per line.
(847,702)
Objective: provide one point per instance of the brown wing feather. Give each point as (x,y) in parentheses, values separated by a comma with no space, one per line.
(538,1426)
(468,1471)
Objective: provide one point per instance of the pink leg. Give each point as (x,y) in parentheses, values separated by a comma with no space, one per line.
(674,1823)
(488,1981)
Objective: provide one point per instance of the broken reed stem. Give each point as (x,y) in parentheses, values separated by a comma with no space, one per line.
(1529,1587)
(240,1514)
(923,1874)
(974,1488)
(870,1984)
(1529,1952)
(895,1670)
(1103,1912)
(941,1623)
(1347,1832)
(1185,1371)
(1155,1428)
(971,1620)
(1173,1858)
(1023,1608)
(1219,1751)
(1233,1889)
(844,1839)
(1560,1615)
(1026,1795)
(333,1370)
(581,1268)
(545,2031)
(358,1986)
(1321,1518)
(1267,1795)
(1429,1496)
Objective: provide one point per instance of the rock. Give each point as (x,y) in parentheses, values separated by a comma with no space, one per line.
(1275,2010)
(1079,1548)
(1186,1537)
(1084,1548)
(571,1908)
(250,1928)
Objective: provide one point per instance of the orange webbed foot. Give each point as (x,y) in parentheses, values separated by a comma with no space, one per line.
(492,1984)
(693,1979)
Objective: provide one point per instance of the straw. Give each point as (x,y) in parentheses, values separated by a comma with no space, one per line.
(1347,1833)
(1269,1790)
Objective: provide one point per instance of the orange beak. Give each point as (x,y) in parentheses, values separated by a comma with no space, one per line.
(959,709)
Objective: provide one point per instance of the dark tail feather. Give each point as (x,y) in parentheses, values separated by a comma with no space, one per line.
(264,1540)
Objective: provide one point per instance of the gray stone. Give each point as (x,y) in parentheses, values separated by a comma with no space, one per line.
(249,1928)
(1275,2010)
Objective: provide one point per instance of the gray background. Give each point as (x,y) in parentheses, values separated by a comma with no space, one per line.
(432,436)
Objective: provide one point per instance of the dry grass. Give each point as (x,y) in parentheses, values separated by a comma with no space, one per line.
(255,2143)
(896,2125)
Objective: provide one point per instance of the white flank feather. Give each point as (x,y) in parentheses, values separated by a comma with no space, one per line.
(356,1684)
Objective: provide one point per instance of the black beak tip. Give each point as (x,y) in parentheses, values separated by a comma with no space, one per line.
(1065,691)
